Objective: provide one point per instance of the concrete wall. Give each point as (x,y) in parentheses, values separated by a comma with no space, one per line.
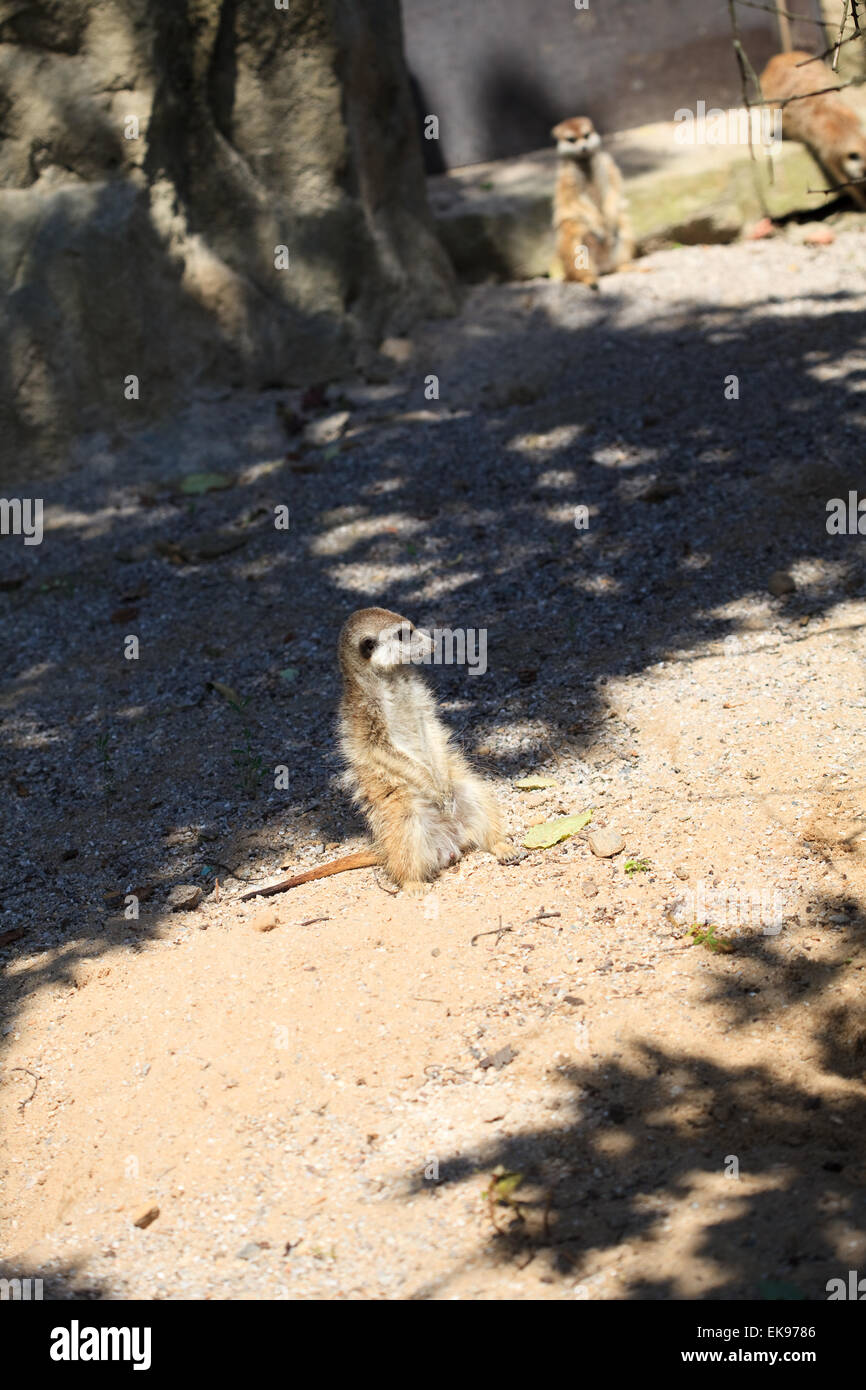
(500,73)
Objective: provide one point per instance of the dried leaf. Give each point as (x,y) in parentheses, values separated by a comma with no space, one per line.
(534,784)
(552,831)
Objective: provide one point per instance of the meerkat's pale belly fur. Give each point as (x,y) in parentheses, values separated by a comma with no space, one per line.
(590,218)
(424,805)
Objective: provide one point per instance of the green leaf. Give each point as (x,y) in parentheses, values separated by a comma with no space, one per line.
(637,866)
(552,831)
(706,936)
(288,673)
(504,1185)
(194,484)
(534,784)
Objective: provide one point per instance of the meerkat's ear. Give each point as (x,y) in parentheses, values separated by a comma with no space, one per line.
(367,647)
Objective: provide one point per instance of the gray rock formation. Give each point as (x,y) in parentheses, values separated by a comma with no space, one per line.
(154,156)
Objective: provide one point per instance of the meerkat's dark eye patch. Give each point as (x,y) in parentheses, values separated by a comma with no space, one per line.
(367,647)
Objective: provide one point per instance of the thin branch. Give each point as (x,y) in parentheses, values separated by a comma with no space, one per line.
(774,9)
(803,96)
(841,32)
(837,187)
(819,57)
(22,1104)
(747,72)
(785,29)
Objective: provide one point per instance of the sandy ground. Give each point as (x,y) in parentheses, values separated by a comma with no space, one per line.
(535,1082)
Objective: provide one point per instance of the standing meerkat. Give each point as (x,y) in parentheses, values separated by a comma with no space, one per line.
(828,127)
(423,803)
(590,214)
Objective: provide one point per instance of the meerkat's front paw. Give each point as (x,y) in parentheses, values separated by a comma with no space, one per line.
(416,889)
(507,853)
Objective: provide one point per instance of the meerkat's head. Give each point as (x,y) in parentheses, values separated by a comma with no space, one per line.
(576,137)
(854,161)
(377,643)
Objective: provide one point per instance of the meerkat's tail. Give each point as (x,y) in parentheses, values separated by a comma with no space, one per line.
(363,859)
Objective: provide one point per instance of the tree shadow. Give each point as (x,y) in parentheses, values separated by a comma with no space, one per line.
(431,150)
(518,110)
(58,1282)
(747,1149)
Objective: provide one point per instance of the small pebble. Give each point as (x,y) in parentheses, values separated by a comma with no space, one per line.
(781,583)
(145,1215)
(606,843)
(183,897)
(265,919)
(816,234)
(494,1111)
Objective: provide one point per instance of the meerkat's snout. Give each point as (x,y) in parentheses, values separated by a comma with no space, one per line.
(577,137)
(578,148)
(421,645)
(400,645)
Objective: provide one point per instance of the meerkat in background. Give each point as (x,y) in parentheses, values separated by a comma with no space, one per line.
(424,805)
(828,127)
(590,215)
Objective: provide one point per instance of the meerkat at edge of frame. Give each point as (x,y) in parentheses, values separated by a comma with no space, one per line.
(830,129)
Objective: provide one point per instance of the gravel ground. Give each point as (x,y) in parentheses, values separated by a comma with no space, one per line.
(319,1110)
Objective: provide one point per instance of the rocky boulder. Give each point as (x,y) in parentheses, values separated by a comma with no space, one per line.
(199,190)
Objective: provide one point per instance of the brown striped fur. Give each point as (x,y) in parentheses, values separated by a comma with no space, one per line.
(828,127)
